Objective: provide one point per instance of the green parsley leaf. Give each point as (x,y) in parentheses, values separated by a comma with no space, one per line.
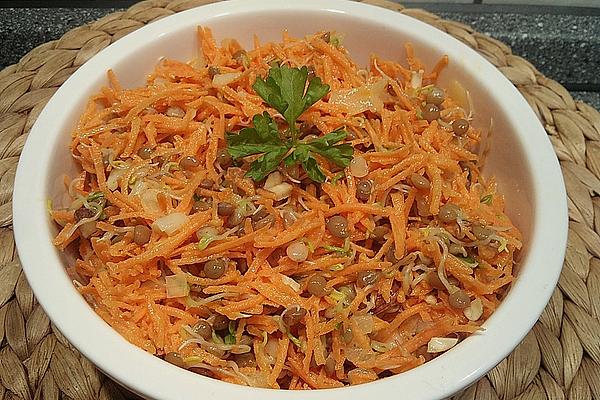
(487,199)
(283,89)
(340,154)
(267,163)
(263,138)
(312,170)
(299,155)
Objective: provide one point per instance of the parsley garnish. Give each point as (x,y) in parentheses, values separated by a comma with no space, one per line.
(487,199)
(285,90)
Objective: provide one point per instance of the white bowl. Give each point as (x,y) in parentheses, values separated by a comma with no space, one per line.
(521,158)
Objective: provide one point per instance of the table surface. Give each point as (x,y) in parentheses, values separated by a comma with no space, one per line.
(562,42)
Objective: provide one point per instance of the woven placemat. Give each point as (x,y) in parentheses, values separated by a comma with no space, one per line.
(559,358)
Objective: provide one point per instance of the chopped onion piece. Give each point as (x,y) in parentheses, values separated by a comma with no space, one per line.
(113,179)
(416,79)
(367,97)
(281,191)
(87,229)
(430,299)
(359,167)
(200,61)
(207,231)
(291,283)
(175,111)
(459,94)
(225,79)
(74,182)
(137,188)
(364,322)
(273,180)
(171,223)
(361,375)
(474,311)
(271,350)
(439,344)
(177,286)
(149,200)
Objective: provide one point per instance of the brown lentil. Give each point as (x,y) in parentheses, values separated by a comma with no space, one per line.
(434,281)
(366,278)
(266,221)
(449,212)
(293,315)
(481,232)
(200,205)
(175,359)
(420,182)
(236,218)
(348,291)
(214,350)
(363,190)
(338,226)
(431,112)
(224,158)
(459,300)
(220,323)
(225,209)
(214,269)
(207,183)
(204,329)
(141,234)
(460,126)
(82,213)
(297,251)
(189,163)
(145,152)
(380,231)
(317,285)
(435,96)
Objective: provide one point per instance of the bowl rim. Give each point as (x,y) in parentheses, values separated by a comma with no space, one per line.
(147,375)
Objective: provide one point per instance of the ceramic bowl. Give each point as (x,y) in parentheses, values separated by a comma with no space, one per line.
(521,157)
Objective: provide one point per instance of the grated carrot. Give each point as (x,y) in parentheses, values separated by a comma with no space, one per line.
(180,235)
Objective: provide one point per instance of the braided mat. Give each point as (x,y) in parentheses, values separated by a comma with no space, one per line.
(559,358)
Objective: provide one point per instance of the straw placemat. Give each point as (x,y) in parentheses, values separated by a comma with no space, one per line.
(559,359)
